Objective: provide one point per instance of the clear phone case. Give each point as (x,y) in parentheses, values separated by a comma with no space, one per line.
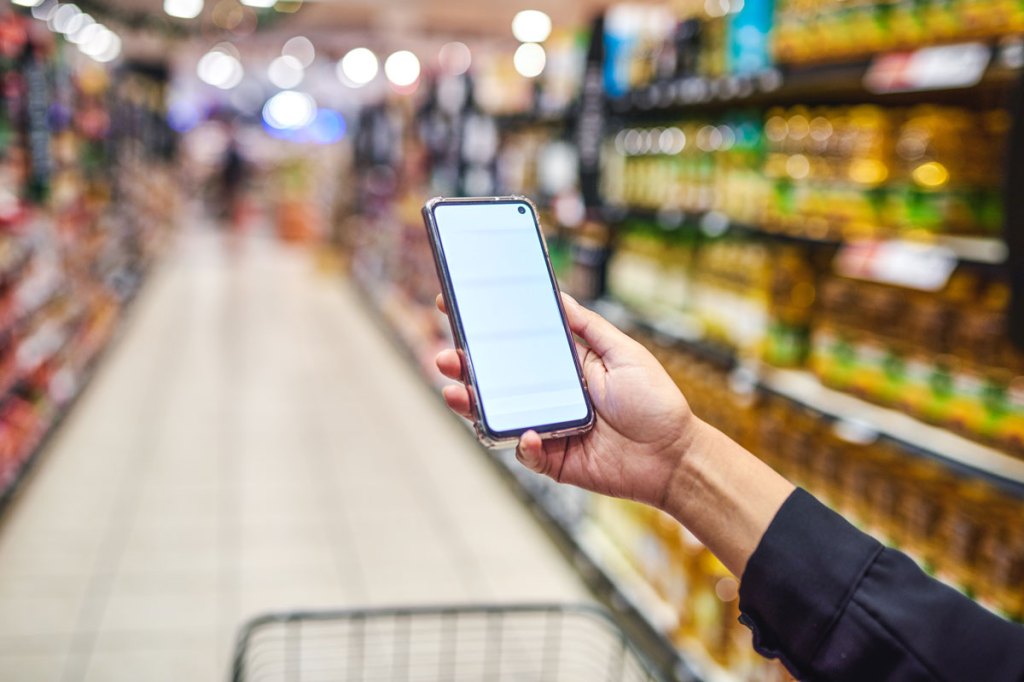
(483,433)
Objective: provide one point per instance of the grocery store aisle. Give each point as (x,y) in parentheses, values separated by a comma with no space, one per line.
(254,442)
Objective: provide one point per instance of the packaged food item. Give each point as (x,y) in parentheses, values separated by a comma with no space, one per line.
(1001,561)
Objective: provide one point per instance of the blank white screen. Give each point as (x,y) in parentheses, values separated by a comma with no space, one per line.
(525,372)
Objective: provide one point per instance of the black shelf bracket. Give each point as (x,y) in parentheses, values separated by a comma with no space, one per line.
(1013,215)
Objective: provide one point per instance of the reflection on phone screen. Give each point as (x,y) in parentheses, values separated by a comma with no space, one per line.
(525,373)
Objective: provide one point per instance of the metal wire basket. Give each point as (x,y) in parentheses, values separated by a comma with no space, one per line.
(520,643)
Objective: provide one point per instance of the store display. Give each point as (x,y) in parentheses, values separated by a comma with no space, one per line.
(824,31)
(824,173)
(79,223)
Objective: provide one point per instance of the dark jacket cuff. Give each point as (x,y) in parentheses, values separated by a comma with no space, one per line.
(801,577)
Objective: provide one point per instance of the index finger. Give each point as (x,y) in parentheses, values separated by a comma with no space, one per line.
(599,333)
(439,302)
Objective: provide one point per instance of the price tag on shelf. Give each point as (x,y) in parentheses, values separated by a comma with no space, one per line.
(906,264)
(930,68)
(855,431)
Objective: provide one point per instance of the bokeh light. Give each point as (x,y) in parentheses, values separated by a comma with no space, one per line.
(220,69)
(530,60)
(358,67)
(531,26)
(455,58)
(301,48)
(289,110)
(402,68)
(286,72)
(183,9)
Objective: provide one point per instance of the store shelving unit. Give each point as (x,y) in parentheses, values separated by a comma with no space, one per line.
(914,436)
(58,414)
(800,386)
(79,229)
(830,83)
(966,249)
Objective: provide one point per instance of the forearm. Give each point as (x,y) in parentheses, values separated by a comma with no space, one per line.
(724,495)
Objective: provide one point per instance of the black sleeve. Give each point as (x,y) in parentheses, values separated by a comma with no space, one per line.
(833,604)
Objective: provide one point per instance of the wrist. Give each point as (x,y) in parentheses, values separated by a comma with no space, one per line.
(724,495)
(691,451)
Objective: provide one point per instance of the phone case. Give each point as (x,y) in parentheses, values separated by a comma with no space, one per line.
(485,436)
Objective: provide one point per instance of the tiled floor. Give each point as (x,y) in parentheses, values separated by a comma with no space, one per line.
(253,442)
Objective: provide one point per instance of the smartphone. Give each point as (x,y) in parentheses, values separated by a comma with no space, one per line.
(519,358)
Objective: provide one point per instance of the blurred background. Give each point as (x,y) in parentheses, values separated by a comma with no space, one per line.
(809,210)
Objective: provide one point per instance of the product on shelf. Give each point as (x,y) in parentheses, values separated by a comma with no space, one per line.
(823,173)
(84,198)
(944,357)
(743,294)
(670,43)
(695,166)
(867,171)
(828,30)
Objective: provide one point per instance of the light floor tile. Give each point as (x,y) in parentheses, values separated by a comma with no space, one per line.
(32,667)
(155,666)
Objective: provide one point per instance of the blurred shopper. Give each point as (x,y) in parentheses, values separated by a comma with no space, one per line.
(234,173)
(829,601)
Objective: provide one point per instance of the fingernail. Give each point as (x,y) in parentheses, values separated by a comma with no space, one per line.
(526,458)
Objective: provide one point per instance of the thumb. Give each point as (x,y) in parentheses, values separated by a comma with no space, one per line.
(599,333)
(530,452)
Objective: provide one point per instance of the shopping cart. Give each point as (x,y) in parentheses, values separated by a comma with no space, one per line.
(520,643)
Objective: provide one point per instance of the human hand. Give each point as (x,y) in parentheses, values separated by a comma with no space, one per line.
(643,424)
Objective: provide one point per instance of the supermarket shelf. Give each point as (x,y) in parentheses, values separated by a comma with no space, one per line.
(608,574)
(804,388)
(531,120)
(979,250)
(35,450)
(914,436)
(837,83)
(990,250)
(604,553)
(15,255)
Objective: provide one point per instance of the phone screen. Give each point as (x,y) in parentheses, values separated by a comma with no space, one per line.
(525,370)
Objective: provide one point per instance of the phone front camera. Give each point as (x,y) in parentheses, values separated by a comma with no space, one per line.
(522,210)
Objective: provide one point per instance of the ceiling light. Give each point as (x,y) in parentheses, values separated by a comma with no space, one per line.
(113,50)
(259,4)
(87,34)
(45,10)
(531,26)
(289,110)
(402,68)
(82,24)
(455,58)
(27,3)
(530,60)
(183,9)
(286,72)
(76,23)
(98,42)
(220,69)
(301,48)
(358,67)
(62,16)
